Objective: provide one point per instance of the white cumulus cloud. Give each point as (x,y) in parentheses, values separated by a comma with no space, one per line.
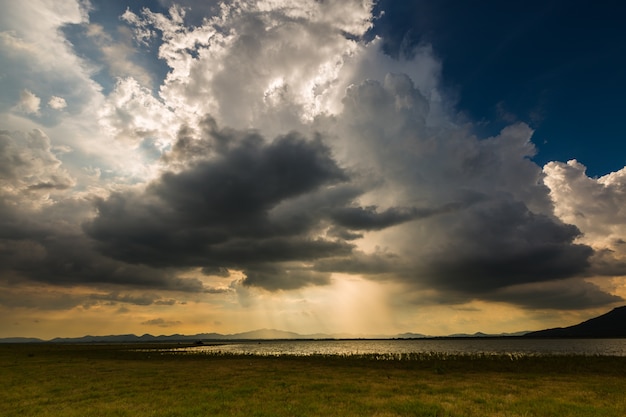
(257,64)
(29,103)
(597,206)
(57,103)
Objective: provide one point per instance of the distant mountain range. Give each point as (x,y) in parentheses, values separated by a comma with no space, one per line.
(609,325)
(262,334)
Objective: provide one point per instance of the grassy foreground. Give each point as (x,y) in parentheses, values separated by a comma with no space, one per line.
(113,380)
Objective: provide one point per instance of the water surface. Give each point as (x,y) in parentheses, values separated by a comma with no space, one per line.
(470,346)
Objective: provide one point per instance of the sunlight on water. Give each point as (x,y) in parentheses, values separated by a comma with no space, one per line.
(395,349)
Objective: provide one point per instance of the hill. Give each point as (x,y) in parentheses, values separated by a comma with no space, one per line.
(609,325)
(261,334)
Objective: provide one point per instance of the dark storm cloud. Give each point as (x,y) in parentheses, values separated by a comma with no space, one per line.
(276,276)
(16,297)
(39,238)
(248,180)
(377,263)
(571,294)
(142,300)
(67,260)
(499,230)
(493,249)
(284,213)
(217,212)
(607,262)
(217,271)
(45,245)
(500,244)
(368,218)
(237,202)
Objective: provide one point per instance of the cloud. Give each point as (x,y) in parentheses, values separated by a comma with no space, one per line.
(219,211)
(141,300)
(384,128)
(368,218)
(597,207)
(28,168)
(68,260)
(118,53)
(40,235)
(57,103)
(477,219)
(488,223)
(38,60)
(288,55)
(377,264)
(50,297)
(162,322)
(593,204)
(132,114)
(500,243)
(29,103)
(216,213)
(282,149)
(36,297)
(571,294)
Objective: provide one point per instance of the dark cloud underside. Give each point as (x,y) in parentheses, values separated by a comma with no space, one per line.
(215,213)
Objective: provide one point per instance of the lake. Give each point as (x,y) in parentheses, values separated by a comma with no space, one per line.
(469,346)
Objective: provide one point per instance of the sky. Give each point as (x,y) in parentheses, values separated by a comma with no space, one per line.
(339,167)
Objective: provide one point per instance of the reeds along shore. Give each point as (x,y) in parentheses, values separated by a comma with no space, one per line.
(147,380)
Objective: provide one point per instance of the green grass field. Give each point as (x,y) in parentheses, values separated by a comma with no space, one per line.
(116,380)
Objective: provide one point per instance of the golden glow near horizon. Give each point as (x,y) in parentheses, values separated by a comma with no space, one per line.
(349,306)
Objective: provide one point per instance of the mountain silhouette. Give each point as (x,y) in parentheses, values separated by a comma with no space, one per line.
(609,325)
